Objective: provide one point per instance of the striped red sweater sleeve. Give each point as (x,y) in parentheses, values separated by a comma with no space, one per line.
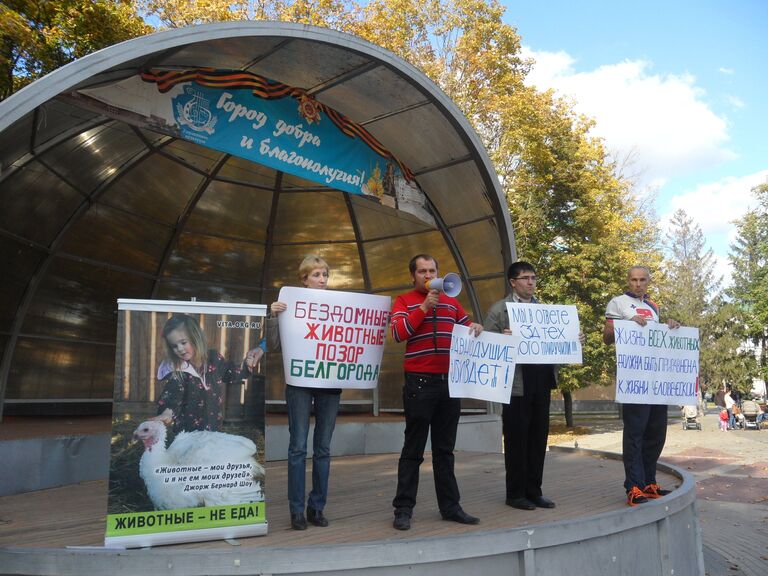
(428,343)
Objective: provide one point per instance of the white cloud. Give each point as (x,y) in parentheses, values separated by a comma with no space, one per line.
(724,70)
(715,205)
(663,121)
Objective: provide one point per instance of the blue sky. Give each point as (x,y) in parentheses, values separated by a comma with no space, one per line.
(679,88)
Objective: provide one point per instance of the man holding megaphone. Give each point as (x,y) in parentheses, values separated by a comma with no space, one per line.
(424,318)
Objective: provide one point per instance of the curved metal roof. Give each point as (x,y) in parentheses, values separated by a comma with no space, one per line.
(95,208)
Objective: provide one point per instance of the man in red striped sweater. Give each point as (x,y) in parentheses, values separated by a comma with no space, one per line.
(425,319)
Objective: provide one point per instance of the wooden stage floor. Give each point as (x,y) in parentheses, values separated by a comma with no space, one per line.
(359,506)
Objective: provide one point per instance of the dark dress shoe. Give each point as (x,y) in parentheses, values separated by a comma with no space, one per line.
(542,502)
(316,517)
(462,517)
(521,503)
(298,522)
(402,522)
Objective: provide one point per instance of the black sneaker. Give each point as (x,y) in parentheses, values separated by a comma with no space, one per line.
(636,496)
(655,491)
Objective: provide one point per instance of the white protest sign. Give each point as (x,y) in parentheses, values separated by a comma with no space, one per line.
(332,339)
(656,365)
(481,367)
(545,333)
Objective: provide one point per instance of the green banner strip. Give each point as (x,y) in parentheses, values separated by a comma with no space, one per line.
(135,523)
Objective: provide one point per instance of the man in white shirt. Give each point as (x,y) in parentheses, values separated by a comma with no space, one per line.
(645,425)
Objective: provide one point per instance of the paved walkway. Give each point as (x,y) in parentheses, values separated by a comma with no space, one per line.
(731,471)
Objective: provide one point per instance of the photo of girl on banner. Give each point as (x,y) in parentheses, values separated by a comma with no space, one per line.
(188,423)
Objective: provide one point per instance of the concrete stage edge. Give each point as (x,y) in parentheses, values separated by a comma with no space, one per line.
(661,537)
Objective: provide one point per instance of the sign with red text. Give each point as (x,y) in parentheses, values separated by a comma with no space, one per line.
(655,364)
(545,333)
(332,339)
(481,367)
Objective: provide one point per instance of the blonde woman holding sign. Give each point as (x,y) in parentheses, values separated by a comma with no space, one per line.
(313,273)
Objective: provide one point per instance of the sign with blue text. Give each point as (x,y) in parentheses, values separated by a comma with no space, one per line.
(656,364)
(280,126)
(332,339)
(545,333)
(481,367)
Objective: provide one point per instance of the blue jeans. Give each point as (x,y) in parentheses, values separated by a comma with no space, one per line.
(299,400)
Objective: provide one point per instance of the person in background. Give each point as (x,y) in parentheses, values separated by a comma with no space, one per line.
(723,417)
(719,398)
(729,404)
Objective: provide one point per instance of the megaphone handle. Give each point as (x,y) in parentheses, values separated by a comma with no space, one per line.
(434,327)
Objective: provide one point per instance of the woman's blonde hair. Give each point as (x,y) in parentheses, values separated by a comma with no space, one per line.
(196,338)
(311,262)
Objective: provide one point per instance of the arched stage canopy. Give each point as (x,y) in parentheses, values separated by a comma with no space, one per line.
(97,205)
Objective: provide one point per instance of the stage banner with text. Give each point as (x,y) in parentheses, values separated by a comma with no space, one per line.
(264,121)
(332,339)
(655,364)
(545,333)
(188,444)
(481,367)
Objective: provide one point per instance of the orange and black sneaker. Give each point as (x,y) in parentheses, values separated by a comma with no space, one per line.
(655,491)
(636,496)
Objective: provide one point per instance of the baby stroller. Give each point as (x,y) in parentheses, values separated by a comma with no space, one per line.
(750,410)
(691,418)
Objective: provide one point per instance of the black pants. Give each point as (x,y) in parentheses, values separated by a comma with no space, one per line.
(645,431)
(427,404)
(525,424)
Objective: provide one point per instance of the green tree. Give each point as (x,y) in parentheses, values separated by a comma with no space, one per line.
(180,13)
(724,358)
(690,290)
(689,283)
(749,288)
(38,37)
